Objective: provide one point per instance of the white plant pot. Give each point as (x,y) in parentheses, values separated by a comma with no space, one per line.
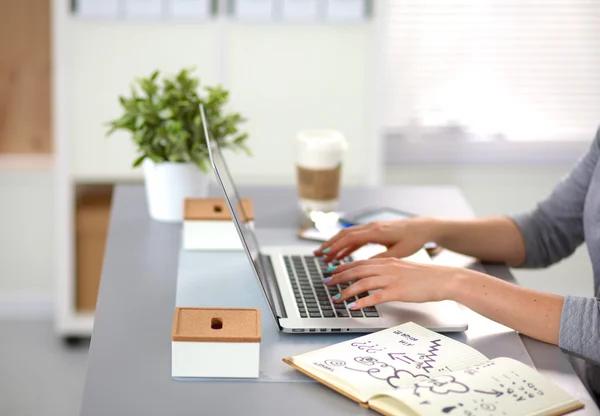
(169,184)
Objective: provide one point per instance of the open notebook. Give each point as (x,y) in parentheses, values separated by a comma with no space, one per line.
(409,370)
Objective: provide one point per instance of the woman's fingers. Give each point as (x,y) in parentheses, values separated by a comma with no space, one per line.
(345,252)
(383,255)
(371,283)
(358,235)
(355,238)
(373,299)
(361,271)
(359,263)
(323,249)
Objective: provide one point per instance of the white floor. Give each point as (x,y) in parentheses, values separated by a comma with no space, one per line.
(39,375)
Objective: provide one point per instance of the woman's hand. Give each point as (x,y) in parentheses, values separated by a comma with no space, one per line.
(532,313)
(395,280)
(401,237)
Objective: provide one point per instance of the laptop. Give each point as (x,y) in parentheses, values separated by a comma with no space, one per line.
(291,278)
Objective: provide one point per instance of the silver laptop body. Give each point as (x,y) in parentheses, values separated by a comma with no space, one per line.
(291,279)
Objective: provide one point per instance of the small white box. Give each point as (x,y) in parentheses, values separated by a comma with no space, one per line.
(207,224)
(215,342)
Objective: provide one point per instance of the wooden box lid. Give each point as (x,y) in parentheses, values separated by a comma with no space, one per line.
(216,325)
(214,209)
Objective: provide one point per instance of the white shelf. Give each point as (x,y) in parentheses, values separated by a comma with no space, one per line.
(76,324)
(22,162)
(108,178)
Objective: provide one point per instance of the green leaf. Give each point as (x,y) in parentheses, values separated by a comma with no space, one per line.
(204,165)
(165,114)
(139,122)
(111,131)
(163,117)
(139,161)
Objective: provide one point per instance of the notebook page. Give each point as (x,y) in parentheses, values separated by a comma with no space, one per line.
(390,358)
(500,387)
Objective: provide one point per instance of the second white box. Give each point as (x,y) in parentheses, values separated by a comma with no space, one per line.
(208,225)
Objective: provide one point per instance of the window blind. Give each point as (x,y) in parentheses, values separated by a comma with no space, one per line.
(517,70)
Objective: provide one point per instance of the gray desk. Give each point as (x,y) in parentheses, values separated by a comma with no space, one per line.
(129,361)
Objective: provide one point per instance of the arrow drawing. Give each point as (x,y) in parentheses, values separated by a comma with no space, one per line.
(494,392)
(400,356)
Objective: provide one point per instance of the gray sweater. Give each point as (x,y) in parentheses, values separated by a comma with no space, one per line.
(552,231)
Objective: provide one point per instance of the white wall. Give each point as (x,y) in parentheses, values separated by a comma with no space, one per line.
(288,78)
(506,189)
(26,234)
(282,78)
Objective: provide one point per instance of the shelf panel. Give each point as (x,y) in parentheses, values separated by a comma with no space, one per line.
(134,176)
(25,76)
(25,162)
(92,216)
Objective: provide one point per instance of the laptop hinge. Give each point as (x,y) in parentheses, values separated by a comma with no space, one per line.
(272,286)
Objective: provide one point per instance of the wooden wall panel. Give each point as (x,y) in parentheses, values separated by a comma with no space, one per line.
(92,218)
(25,76)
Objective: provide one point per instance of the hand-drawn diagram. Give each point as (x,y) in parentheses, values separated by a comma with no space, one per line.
(433,373)
(386,372)
(522,391)
(475,369)
(443,384)
(473,410)
(406,339)
(494,392)
(367,346)
(448,409)
(487,406)
(395,368)
(430,357)
(400,356)
(512,384)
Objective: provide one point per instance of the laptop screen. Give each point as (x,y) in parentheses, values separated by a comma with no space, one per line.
(245,230)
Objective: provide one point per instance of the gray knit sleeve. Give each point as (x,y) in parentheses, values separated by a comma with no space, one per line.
(580,328)
(554,229)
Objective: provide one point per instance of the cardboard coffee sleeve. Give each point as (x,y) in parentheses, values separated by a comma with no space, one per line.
(318,169)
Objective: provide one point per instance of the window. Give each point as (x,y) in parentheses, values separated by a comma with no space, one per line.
(469,71)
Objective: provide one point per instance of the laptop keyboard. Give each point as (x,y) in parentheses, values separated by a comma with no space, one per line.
(313,298)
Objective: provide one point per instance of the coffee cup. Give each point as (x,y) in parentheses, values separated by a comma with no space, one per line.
(319,156)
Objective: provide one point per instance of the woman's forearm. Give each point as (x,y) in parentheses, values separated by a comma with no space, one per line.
(495,239)
(532,313)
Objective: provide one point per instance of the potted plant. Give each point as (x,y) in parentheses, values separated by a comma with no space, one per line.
(163,117)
